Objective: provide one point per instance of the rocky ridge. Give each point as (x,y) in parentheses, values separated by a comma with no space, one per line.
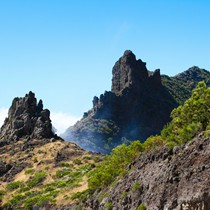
(26,118)
(170,179)
(37,168)
(138,105)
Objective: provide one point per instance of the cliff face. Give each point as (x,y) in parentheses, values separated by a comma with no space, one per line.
(175,179)
(26,118)
(137,106)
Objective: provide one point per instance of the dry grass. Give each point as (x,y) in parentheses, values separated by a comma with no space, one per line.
(43,158)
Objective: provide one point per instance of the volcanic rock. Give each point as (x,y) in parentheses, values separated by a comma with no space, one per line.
(137,106)
(4,168)
(166,179)
(26,118)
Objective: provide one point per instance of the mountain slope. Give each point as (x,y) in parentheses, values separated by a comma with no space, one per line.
(160,175)
(139,105)
(181,85)
(37,168)
(162,179)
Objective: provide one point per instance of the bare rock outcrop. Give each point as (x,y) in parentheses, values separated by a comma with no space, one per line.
(137,106)
(164,179)
(26,118)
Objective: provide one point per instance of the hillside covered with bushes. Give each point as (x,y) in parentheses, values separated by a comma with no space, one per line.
(116,179)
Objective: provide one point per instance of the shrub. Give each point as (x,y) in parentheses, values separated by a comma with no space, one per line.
(81,196)
(63,172)
(135,187)
(2,193)
(113,165)
(123,195)
(190,119)
(39,199)
(37,179)
(97,159)
(35,160)
(63,164)
(152,143)
(77,161)
(29,171)
(141,207)
(109,206)
(14,185)
(16,200)
(86,158)
(24,189)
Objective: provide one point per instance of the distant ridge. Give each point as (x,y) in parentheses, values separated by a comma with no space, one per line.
(181,85)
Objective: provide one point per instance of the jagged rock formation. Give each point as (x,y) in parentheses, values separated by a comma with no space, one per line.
(138,105)
(26,118)
(169,179)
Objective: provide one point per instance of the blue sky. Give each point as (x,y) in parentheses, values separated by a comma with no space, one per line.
(64,50)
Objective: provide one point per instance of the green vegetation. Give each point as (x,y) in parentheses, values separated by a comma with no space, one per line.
(39,200)
(123,195)
(109,206)
(37,179)
(190,119)
(29,171)
(96,133)
(135,187)
(87,157)
(113,165)
(141,207)
(16,200)
(80,195)
(152,143)
(97,159)
(2,193)
(14,185)
(44,194)
(36,160)
(77,161)
(30,199)
(181,86)
(63,164)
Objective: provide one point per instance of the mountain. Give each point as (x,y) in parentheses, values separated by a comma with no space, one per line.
(37,168)
(181,85)
(170,171)
(26,118)
(172,179)
(138,105)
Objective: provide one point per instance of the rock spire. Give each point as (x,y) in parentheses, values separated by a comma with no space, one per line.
(26,118)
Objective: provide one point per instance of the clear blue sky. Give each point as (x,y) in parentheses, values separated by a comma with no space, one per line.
(64,50)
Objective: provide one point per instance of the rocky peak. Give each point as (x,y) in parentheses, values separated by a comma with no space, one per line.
(156,78)
(26,118)
(131,73)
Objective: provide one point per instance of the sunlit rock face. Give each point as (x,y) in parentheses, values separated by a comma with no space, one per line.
(26,118)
